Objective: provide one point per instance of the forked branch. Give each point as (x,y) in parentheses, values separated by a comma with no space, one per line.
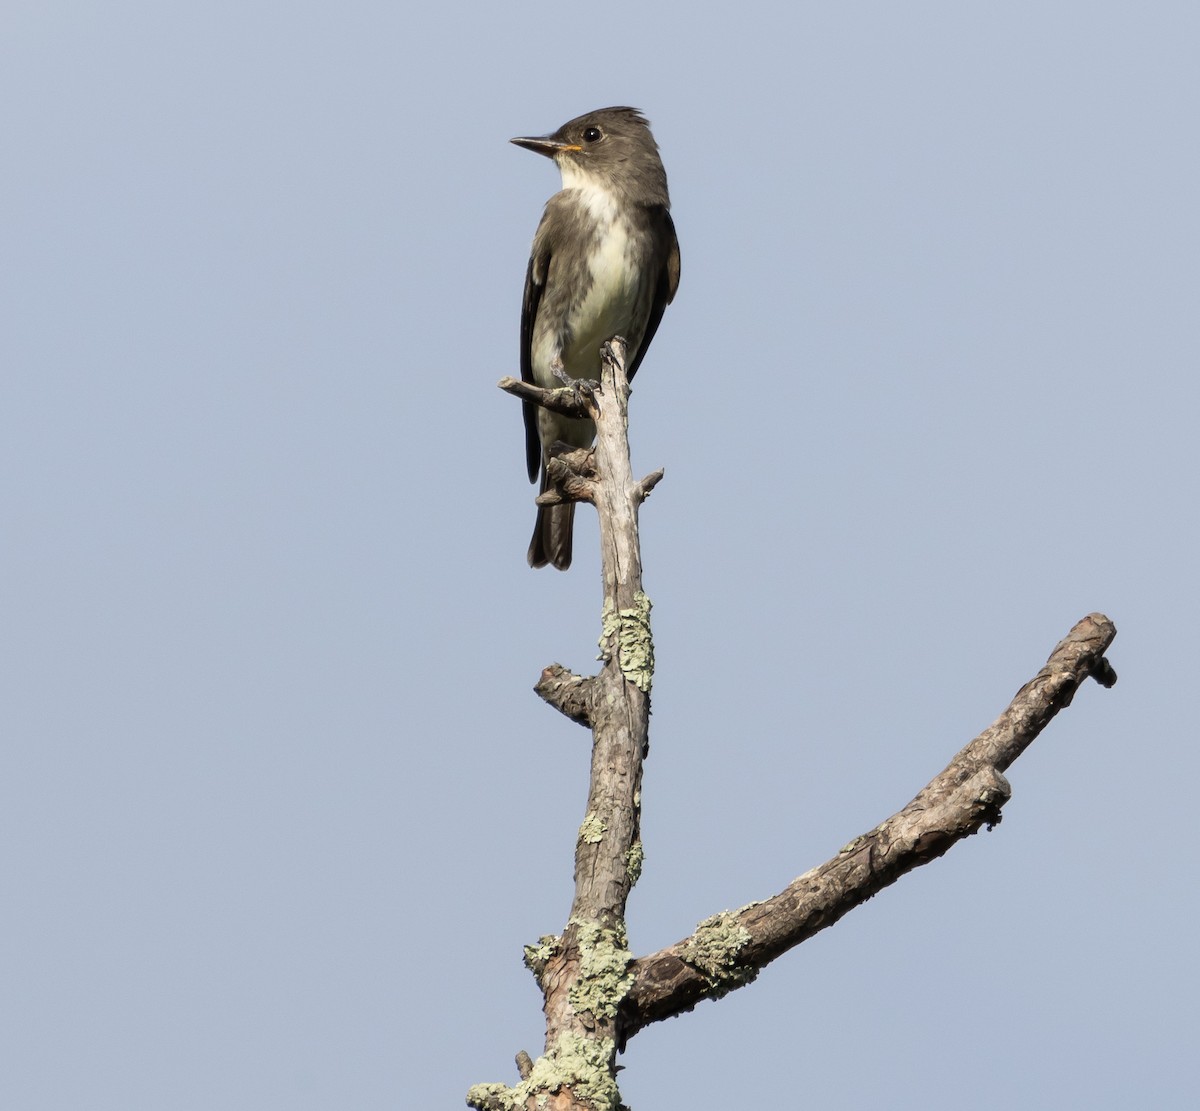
(596,994)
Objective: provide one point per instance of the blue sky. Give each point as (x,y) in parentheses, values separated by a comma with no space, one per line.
(278,807)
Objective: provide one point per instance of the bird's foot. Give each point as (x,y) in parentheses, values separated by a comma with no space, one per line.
(582,388)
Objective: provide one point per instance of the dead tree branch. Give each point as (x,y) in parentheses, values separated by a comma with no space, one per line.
(596,994)
(584,973)
(570,401)
(729,949)
(567,692)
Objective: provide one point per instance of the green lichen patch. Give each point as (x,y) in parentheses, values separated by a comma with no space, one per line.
(538,956)
(585,1065)
(592,831)
(604,970)
(491,1097)
(712,951)
(634,859)
(635,644)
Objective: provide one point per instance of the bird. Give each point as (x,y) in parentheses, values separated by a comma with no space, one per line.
(604,263)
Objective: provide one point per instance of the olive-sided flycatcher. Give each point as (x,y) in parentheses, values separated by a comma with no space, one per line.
(605,263)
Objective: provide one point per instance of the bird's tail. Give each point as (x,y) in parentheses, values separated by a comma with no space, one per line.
(551,541)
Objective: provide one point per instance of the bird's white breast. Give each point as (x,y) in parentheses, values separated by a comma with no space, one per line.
(611,301)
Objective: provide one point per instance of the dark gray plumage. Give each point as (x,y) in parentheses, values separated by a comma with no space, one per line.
(605,262)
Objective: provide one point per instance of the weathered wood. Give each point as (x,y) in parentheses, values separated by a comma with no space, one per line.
(596,995)
(584,973)
(729,949)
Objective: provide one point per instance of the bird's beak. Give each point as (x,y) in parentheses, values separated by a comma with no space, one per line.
(546,144)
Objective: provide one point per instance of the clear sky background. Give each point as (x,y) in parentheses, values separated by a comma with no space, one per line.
(278,808)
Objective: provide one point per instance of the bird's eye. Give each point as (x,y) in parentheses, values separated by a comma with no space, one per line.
(592,135)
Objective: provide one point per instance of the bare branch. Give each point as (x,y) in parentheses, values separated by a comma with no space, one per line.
(567,692)
(584,973)
(648,483)
(620,705)
(572,473)
(570,401)
(729,950)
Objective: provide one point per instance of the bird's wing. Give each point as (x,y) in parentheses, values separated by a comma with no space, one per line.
(535,284)
(664,294)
